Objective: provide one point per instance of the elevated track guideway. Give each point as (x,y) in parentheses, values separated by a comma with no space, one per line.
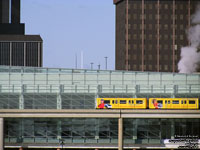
(120,115)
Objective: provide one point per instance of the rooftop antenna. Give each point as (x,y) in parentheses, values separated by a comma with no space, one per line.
(81,59)
(91,65)
(76,61)
(99,66)
(106,61)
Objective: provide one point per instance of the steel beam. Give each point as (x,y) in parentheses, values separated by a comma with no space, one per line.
(1,134)
(120,133)
(92,113)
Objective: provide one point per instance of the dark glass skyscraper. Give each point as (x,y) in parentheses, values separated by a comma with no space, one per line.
(150,33)
(16,48)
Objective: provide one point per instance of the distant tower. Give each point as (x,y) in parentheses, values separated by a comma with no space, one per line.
(16,48)
(10,17)
(150,33)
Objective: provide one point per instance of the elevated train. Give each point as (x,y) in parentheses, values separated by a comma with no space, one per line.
(144,103)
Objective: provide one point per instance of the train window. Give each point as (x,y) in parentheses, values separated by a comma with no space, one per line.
(185,102)
(182,102)
(168,102)
(191,101)
(106,101)
(175,102)
(160,102)
(132,102)
(129,102)
(122,101)
(139,102)
(165,102)
(113,101)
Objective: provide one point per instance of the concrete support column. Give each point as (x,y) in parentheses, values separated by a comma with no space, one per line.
(59,130)
(10,53)
(21,101)
(120,134)
(59,101)
(172,129)
(1,134)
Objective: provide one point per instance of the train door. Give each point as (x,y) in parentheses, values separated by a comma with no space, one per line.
(167,103)
(117,103)
(131,103)
(114,103)
(184,104)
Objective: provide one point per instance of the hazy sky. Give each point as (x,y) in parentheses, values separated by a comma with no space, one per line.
(68,27)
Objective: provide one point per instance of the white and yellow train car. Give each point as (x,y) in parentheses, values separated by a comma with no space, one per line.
(121,103)
(173,103)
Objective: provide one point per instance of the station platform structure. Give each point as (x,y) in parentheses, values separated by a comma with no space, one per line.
(55,108)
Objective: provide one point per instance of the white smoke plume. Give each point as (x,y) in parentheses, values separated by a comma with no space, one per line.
(190,57)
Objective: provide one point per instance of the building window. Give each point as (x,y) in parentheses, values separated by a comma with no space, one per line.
(129,26)
(134,6)
(140,36)
(175,47)
(134,57)
(150,46)
(150,6)
(166,57)
(166,67)
(134,67)
(17,54)
(150,67)
(181,27)
(150,16)
(150,57)
(129,36)
(181,37)
(166,17)
(160,68)
(145,67)
(181,17)
(157,17)
(150,36)
(4,53)
(140,26)
(166,37)
(140,67)
(135,26)
(166,47)
(166,26)
(129,16)
(150,26)
(135,36)
(181,6)
(166,6)
(175,57)
(141,17)
(135,16)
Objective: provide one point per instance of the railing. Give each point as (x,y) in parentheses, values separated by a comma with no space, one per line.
(174,89)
